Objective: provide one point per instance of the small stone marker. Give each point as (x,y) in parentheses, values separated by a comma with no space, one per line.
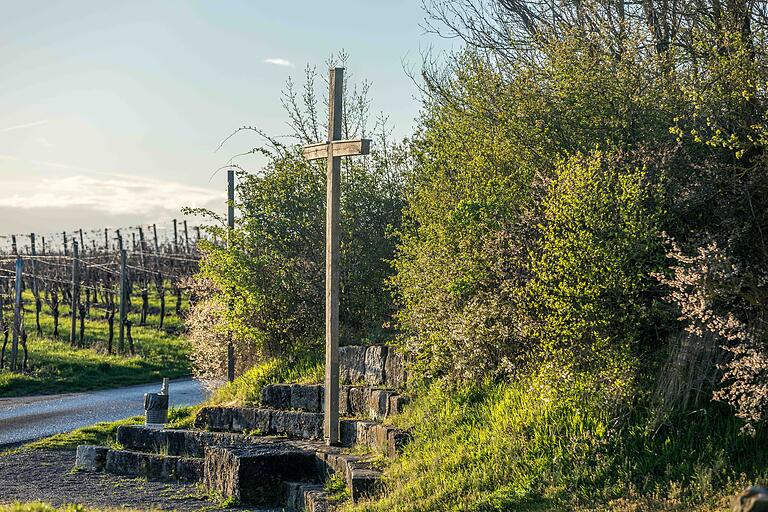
(332,151)
(156,406)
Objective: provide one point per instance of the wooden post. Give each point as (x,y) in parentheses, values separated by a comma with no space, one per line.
(197,233)
(17,314)
(14,247)
(332,151)
(133,242)
(186,237)
(331,427)
(106,239)
(66,250)
(123,299)
(175,238)
(157,245)
(82,241)
(230,228)
(35,288)
(75,293)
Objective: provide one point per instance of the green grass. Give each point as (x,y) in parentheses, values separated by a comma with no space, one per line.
(103,434)
(521,446)
(246,389)
(56,367)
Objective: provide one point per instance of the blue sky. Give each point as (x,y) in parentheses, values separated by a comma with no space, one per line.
(110,111)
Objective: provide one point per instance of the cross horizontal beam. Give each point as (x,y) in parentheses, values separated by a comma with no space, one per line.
(351,147)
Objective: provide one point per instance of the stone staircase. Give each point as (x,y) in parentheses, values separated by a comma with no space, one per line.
(274,455)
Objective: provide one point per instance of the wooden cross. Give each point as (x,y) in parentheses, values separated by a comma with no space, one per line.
(332,151)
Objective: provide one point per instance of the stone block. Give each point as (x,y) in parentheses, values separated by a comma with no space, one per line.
(344,408)
(306,397)
(365,433)
(296,494)
(255,475)
(394,369)
(375,359)
(91,458)
(352,364)
(149,465)
(276,396)
(363,482)
(378,403)
(348,433)
(358,400)
(316,501)
(189,470)
(284,423)
(311,425)
(214,418)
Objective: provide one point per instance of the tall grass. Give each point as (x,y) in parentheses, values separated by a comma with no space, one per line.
(246,389)
(529,446)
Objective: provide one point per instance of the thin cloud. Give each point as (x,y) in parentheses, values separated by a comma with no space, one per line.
(25,125)
(115,196)
(279,62)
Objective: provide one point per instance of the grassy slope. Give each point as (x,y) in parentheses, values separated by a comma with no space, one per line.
(516,447)
(55,367)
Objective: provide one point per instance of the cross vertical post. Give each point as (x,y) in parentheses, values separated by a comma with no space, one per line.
(332,243)
(230,305)
(332,150)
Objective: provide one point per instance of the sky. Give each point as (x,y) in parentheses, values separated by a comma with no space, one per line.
(111,111)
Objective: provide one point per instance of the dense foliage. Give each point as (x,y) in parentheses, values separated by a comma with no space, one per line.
(268,286)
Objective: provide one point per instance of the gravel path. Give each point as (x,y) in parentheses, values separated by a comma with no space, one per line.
(46,475)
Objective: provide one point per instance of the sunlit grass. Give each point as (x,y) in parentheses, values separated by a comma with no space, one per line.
(54,366)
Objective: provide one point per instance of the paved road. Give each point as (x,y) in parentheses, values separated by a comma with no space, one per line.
(28,418)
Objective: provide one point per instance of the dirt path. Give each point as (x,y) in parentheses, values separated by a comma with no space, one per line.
(46,475)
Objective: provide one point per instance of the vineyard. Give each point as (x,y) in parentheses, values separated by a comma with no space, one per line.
(115,295)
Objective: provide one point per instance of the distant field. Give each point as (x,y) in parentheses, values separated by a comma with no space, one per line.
(56,367)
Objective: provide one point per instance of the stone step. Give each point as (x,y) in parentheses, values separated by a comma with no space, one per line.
(303,497)
(302,425)
(228,463)
(255,474)
(152,466)
(366,401)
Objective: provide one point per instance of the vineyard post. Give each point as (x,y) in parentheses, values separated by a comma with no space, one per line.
(175,237)
(123,295)
(133,242)
(82,243)
(197,231)
(186,237)
(14,248)
(159,284)
(106,239)
(35,289)
(42,243)
(230,228)
(17,314)
(66,251)
(75,293)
